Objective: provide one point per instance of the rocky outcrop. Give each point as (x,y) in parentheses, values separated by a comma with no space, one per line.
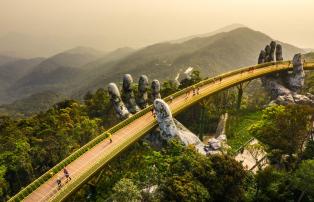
(128,95)
(218,143)
(221,128)
(284,87)
(142,92)
(116,101)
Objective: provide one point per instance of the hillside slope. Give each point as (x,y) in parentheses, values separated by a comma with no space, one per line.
(75,72)
(211,55)
(11,72)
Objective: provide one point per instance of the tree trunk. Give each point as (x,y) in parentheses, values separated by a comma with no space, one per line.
(240,95)
(301,196)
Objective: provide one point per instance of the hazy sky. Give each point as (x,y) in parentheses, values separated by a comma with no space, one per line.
(109,24)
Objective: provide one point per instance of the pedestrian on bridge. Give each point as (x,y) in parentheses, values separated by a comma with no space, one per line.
(66,174)
(170,99)
(110,137)
(194,91)
(59,182)
(187,94)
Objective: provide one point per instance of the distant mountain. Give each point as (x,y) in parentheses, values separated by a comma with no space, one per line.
(227,28)
(211,55)
(74,58)
(73,74)
(7,59)
(109,57)
(61,72)
(32,104)
(309,56)
(11,72)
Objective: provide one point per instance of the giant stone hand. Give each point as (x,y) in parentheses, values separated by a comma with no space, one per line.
(284,86)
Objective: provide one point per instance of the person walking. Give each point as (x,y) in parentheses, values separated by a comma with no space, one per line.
(110,137)
(59,182)
(66,174)
(170,99)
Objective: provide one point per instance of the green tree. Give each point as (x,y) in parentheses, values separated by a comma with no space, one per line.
(284,129)
(126,190)
(228,184)
(195,78)
(303,178)
(14,154)
(168,88)
(273,185)
(3,182)
(184,188)
(309,150)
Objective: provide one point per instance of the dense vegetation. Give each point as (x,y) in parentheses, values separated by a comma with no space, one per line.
(177,173)
(30,146)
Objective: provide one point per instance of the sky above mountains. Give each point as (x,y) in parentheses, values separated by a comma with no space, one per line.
(57,25)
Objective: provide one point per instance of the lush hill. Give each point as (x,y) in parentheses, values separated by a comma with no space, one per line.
(79,70)
(211,55)
(60,73)
(12,72)
(309,56)
(32,104)
(54,73)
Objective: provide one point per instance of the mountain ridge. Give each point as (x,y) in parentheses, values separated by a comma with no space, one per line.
(211,55)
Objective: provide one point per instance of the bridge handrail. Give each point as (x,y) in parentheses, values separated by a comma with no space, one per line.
(46,176)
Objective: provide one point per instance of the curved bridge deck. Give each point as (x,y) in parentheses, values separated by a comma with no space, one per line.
(91,158)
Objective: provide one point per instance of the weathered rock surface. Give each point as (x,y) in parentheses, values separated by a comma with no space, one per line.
(128,95)
(279,53)
(262,57)
(217,144)
(164,119)
(272,51)
(116,101)
(155,87)
(142,92)
(296,79)
(267,54)
(171,128)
